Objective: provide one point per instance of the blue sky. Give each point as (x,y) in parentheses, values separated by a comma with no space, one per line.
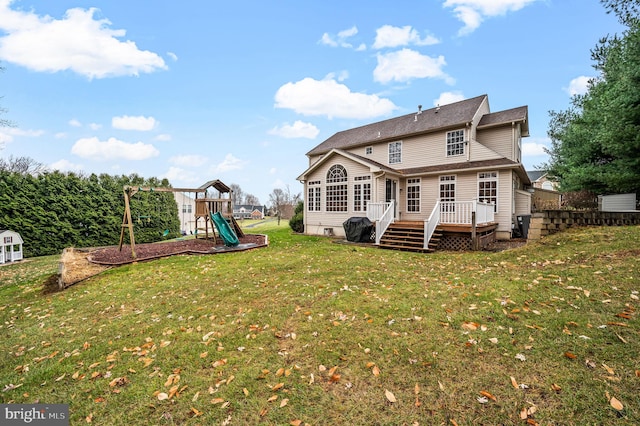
(240,91)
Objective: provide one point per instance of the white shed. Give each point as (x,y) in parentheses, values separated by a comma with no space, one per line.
(10,246)
(617,202)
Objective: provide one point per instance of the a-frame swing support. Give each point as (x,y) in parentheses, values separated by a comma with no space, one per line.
(127,223)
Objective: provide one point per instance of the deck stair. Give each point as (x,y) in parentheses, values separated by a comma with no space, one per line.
(408,236)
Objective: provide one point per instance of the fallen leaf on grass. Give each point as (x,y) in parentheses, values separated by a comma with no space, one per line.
(217,400)
(570,355)
(556,387)
(390,396)
(196,412)
(615,403)
(162,396)
(295,422)
(272,398)
(284,402)
(375,370)
(514,383)
(488,395)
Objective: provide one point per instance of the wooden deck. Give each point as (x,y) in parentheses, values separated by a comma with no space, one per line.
(409,236)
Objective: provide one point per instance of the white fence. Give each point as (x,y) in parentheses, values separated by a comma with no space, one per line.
(382,215)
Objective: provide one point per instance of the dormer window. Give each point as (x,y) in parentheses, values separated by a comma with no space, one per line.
(455,143)
(395,152)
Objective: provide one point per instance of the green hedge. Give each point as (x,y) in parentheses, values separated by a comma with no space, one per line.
(55,210)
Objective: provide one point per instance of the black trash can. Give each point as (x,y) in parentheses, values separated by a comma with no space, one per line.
(358,229)
(523,224)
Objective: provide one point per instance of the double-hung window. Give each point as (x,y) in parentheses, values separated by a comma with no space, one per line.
(395,152)
(313,198)
(361,193)
(413,195)
(488,188)
(336,194)
(455,143)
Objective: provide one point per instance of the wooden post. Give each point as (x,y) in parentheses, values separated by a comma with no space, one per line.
(474,237)
(127,223)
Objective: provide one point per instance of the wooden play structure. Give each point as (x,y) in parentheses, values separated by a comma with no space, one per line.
(211,198)
(10,246)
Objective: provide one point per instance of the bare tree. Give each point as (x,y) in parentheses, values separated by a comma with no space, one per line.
(22,165)
(283,202)
(237,195)
(251,199)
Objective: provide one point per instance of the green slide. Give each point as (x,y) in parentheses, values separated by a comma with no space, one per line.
(228,236)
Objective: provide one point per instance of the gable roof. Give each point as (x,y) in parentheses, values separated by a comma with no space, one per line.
(534,175)
(445,116)
(373,165)
(514,115)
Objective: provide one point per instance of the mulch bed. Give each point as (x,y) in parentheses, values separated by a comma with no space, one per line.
(113,256)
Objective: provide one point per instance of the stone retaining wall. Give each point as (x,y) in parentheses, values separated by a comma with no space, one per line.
(551,221)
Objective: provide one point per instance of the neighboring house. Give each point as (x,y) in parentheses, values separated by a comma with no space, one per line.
(540,179)
(10,246)
(186,212)
(431,167)
(245,211)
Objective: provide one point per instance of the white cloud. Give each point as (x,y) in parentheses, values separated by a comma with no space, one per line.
(164,137)
(60,135)
(390,36)
(473,12)
(95,126)
(407,64)
(16,131)
(330,98)
(299,129)
(449,98)
(181,175)
(66,166)
(273,171)
(126,122)
(578,86)
(78,42)
(535,147)
(111,149)
(340,40)
(188,160)
(228,164)
(172,56)
(75,123)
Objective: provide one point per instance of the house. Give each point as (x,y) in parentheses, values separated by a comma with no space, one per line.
(545,191)
(186,212)
(540,179)
(456,165)
(246,211)
(10,246)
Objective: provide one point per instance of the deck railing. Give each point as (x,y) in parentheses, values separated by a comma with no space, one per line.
(431,224)
(461,212)
(382,215)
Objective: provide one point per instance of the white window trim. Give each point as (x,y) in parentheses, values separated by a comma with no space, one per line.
(418,183)
(446,143)
(396,143)
(360,182)
(497,180)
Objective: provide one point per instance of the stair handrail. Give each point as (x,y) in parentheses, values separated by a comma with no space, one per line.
(385,220)
(431,224)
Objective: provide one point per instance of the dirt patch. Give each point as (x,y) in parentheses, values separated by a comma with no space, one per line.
(79,264)
(113,256)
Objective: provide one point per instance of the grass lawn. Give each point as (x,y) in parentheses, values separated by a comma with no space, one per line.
(307,331)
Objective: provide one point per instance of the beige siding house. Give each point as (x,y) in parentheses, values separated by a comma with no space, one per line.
(454,164)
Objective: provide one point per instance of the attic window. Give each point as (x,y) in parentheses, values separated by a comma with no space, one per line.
(368,150)
(455,143)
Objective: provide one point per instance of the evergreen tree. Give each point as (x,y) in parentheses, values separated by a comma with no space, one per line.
(596,142)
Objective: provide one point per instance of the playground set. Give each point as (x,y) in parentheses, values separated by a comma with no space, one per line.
(216,213)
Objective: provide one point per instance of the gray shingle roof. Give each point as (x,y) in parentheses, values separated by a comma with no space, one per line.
(507,116)
(449,115)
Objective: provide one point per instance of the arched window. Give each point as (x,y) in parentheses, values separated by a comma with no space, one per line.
(337,199)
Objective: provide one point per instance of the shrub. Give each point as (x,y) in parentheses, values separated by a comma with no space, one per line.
(297,221)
